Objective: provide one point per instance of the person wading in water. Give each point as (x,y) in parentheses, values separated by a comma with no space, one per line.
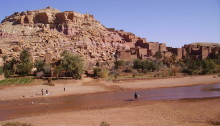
(136,95)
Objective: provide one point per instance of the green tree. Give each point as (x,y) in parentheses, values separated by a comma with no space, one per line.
(158,55)
(1,70)
(47,69)
(72,64)
(119,63)
(138,64)
(9,67)
(146,65)
(193,67)
(208,66)
(57,70)
(216,58)
(39,64)
(25,65)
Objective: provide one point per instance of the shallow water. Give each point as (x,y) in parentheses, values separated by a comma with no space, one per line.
(27,107)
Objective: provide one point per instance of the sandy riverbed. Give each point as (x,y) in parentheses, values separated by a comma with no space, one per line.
(34,90)
(88,85)
(205,112)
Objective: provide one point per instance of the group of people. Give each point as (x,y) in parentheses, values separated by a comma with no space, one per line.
(42,92)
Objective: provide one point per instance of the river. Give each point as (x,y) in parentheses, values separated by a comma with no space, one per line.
(27,107)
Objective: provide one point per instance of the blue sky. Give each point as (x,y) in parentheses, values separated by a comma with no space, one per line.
(174,22)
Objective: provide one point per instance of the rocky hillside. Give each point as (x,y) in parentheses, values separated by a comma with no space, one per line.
(51,31)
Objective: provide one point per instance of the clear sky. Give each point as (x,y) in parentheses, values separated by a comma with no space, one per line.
(174,22)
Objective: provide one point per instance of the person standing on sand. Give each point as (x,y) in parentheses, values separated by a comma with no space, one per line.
(46,92)
(42,91)
(64,88)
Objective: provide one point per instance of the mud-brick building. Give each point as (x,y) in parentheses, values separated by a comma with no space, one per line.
(177,52)
(126,55)
(199,52)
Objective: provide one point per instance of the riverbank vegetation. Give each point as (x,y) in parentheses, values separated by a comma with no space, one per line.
(1,70)
(72,66)
(164,68)
(16,81)
(17,124)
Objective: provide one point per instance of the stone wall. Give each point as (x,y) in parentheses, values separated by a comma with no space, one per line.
(204,52)
(162,47)
(178,52)
(153,45)
(168,54)
(142,53)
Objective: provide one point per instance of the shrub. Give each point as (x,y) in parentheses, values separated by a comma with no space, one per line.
(158,55)
(208,66)
(104,124)
(96,71)
(175,70)
(10,66)
(102,73)
(1,70)
(134,73)
(115,73)
(17,124)
(7,73)
(119,63)
(128,70)
(195,67)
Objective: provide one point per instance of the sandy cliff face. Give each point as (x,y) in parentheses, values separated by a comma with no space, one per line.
(51,31)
